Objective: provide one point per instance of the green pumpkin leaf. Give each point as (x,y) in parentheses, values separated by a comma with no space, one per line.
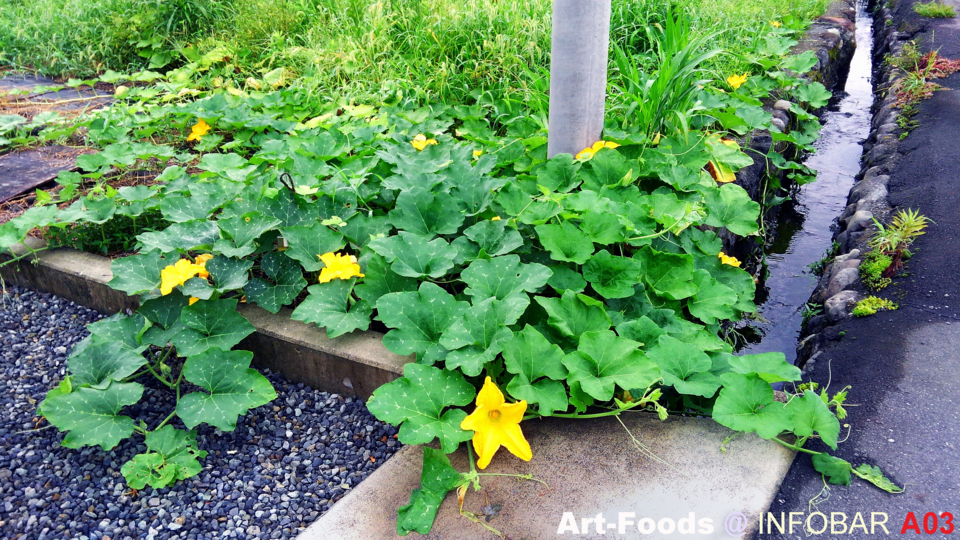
(180,209)
(227,273)
(604,361)
(90,416)
(289,211)
(713,301)
(570,316)
(308,243)
(164,310)
(211,324)
(421,212)
(503,277)
(327,306)
(731,207)
(565,279)
(475,194)
(287,284)
(362,228)
(668,275)
(559,174)
(771,367)
(746,404)
(875,476)
(101,363)
(436,479)
(245,229)
(606,168)
(602,228)
(412,255)
(172,455)
(494,237)
(418,320)
(181,237)
(478,335)
(126,330)
(612,276)
(233,388)
(531,357)
(137,274)
(814,94)
(684,367)
(565,242)
(809,413)
(835,469)
(380,279)
(416,403)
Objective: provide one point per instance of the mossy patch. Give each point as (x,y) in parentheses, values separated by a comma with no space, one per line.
(871,305)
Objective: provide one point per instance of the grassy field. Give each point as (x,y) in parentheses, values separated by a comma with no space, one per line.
(438,49)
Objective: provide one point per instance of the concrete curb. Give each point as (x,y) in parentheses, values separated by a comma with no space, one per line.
(589,467)
(355,364)
(839,285)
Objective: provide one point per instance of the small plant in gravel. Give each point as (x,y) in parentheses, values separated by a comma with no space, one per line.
(935,9)
(871,305)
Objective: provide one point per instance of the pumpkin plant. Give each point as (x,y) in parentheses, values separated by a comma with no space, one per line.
(575,287)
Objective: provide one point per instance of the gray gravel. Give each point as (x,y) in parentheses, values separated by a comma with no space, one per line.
(285,465)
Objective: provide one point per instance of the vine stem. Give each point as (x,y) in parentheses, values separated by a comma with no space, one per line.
(30,251)
(165,420)
(158,376)
(796,448)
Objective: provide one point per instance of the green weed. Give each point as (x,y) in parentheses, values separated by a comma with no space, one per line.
(871,305)
(871,270)
(935,9)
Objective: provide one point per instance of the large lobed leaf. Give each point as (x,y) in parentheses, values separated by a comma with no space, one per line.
(232,387)
(418,402)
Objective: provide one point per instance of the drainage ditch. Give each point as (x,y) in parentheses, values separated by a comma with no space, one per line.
(806,223)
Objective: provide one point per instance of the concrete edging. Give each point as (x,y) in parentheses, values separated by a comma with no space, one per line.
(355,364)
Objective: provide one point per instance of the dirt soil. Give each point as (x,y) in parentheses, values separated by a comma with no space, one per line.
(903,366)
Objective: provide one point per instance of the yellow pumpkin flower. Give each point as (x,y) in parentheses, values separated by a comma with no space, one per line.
(736,81)
(194,300)
(338,267)
(177,274)
(588,153)
(477,153)
(775,24)
(726,259)
(495,424)
(720,172)
(495,218)
(198,130)
(202,263)
(421,141)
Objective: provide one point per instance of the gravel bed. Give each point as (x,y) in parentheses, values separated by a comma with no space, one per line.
(285,465)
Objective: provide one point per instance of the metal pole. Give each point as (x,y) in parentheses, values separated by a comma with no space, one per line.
(578,74)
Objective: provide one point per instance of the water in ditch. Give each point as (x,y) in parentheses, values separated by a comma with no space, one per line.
(803,232)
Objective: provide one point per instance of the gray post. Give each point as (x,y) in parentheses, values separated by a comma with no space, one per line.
(578,74)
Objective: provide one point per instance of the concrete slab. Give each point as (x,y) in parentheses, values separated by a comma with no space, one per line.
(591,467)
(22,172)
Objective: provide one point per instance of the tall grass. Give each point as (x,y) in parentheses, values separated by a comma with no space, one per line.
(439,49)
